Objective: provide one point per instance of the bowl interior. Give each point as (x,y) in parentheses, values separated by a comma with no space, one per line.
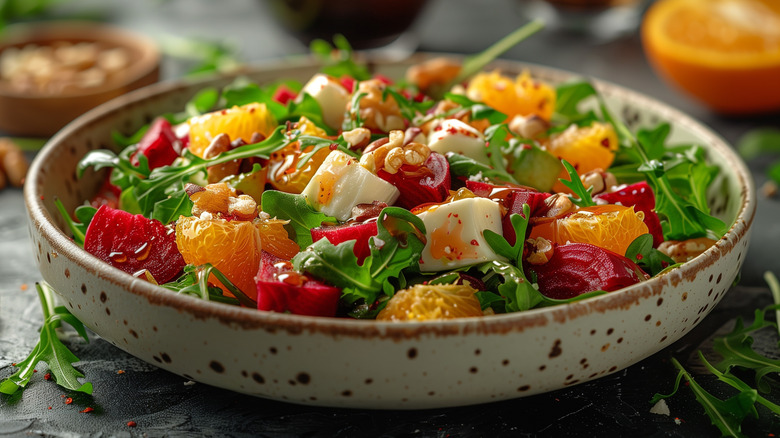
(53,174)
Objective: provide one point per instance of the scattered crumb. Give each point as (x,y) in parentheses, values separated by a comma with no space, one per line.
(24,287)
(660,408)
(189,383)
(120,371)
(678,421)
(68,401)
(769,189)
(47,376)
(86,410)
(131,424)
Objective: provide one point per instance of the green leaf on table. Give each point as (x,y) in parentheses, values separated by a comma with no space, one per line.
(759,142)
(397,246)
(50,350)
(736,348)
(294,208)
(726,415)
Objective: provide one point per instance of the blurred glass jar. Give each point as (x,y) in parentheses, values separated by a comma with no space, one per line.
(601,19)
(367,24)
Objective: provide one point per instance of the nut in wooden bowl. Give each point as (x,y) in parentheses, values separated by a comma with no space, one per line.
(50,73)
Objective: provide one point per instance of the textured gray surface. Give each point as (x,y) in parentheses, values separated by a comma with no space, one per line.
(166,405)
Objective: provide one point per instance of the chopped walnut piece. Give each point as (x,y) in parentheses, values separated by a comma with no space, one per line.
(393,154)
(685,250)
(221,143)
(541,251)
(221,200)
(600,180)
(558,205)
(357,138)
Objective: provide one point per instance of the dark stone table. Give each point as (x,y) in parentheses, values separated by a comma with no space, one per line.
(163,404)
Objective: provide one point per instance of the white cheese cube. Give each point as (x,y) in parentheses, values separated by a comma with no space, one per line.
(452,135)
(341,183)
(332,97)
(455,234)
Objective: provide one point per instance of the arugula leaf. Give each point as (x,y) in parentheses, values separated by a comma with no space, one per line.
(83,215)
(194,281)
(651,260)
(338,63)
(478,110)
(461,165)
(736,349)
(726,415)
(202,102)
(294,208)
(397,246)
(569,95)
(733,381)
(167,181)
(575,185)
(168,210)
(473,64)
(50,349)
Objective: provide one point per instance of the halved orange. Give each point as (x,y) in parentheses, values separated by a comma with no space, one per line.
(611,227)
(725,53)
(237,122)
(423,302)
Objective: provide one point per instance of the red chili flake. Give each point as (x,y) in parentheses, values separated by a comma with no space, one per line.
(333,147)
(13,364)
(35,371)
(68,401)
(474,242)
(47,376)
(664,264)
(42,198)
(120,372)
(605,142)
(86,410)
(49,407)
(639,257)
(131,424)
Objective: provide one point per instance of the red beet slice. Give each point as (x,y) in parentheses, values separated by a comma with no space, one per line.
(284,94)
(132,242)
(640,196)
(422,184)
(341,233)
(577,268)
(281,289)
(160,144)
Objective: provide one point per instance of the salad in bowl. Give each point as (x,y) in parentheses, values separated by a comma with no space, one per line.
(424,197)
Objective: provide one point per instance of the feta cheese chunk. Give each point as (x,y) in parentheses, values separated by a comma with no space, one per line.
(341,183)
(332,97)
(452,135)
(455,234)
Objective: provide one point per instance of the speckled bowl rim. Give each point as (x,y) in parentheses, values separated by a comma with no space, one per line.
(148,61)
(253,319)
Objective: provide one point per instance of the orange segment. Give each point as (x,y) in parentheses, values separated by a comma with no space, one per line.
(586,148)
(431,302)
(283,172)
(611,227)
(233,247)
(726,53)
(275,239)
(523,96)
(238,122)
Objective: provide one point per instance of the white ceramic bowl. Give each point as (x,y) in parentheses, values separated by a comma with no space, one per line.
(368,364)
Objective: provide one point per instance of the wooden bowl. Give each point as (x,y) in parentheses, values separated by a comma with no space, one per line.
(25,112)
